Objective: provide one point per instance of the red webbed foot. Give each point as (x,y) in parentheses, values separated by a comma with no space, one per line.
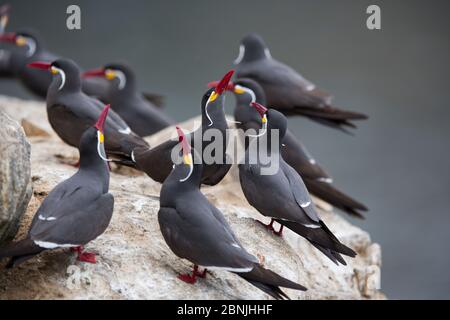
(84,256)
(188,278)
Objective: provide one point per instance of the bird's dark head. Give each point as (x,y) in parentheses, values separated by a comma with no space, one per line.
(252,48)
(245,90)
(120,74)
(66,73)
(271,120)
(27,39)
(92,144)
(185,170)
(213,99)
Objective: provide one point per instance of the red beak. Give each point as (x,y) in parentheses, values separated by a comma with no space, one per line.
(260,108)
(40,65)
(94,73)
(223,84)
(8,37)
(213,84)
(100,125)
(184,143)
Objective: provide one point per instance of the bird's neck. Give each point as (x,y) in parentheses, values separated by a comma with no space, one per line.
(172,187)
(94,167)
(215,118)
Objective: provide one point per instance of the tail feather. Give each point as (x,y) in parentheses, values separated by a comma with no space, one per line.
(19,251)
(330,113)
(336,198)
(329,116)
(269,282)
(322,238)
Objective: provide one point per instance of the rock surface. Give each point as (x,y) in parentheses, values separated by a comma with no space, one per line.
(15,176)
(135,263)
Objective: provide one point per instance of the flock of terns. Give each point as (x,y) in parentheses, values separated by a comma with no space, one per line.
(79,209)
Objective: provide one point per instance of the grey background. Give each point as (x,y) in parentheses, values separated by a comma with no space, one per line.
(397,163)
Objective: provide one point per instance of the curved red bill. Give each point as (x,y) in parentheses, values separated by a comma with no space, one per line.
(40,65)
(213,84)
(184,143)
(260,108)
(94,73)
(8,37)
(100,125)
(223,84)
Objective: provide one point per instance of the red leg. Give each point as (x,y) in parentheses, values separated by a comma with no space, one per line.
(191,278)
(84,256)
(200,274)
(268,226)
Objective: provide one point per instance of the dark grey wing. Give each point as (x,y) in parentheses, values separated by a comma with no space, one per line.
(155,162)
(271,194)
(198,236)
(284,87)
(67,123)
(298,157)
(299,191)
(113,120)
(78,220)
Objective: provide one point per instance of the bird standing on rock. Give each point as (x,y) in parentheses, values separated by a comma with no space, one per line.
(197,231)
(287,90)
(316,179)
(157,162)
(141,115)
(70,112)
(77,210)
(281,194)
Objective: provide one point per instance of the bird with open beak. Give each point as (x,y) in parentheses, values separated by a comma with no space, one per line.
(143,116)
(316,179)
(157,162)
(70,112)
(77,210)
(287,90)
(281,193)
(196,230)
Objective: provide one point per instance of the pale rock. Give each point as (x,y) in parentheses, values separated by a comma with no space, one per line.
(15,176)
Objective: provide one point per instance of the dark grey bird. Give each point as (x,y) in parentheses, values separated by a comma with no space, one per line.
(76,211)
(197,231)
(143,117)
(70,112)
(286,90)
(316,179)
(277,191)
(28,47)
(157,162)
